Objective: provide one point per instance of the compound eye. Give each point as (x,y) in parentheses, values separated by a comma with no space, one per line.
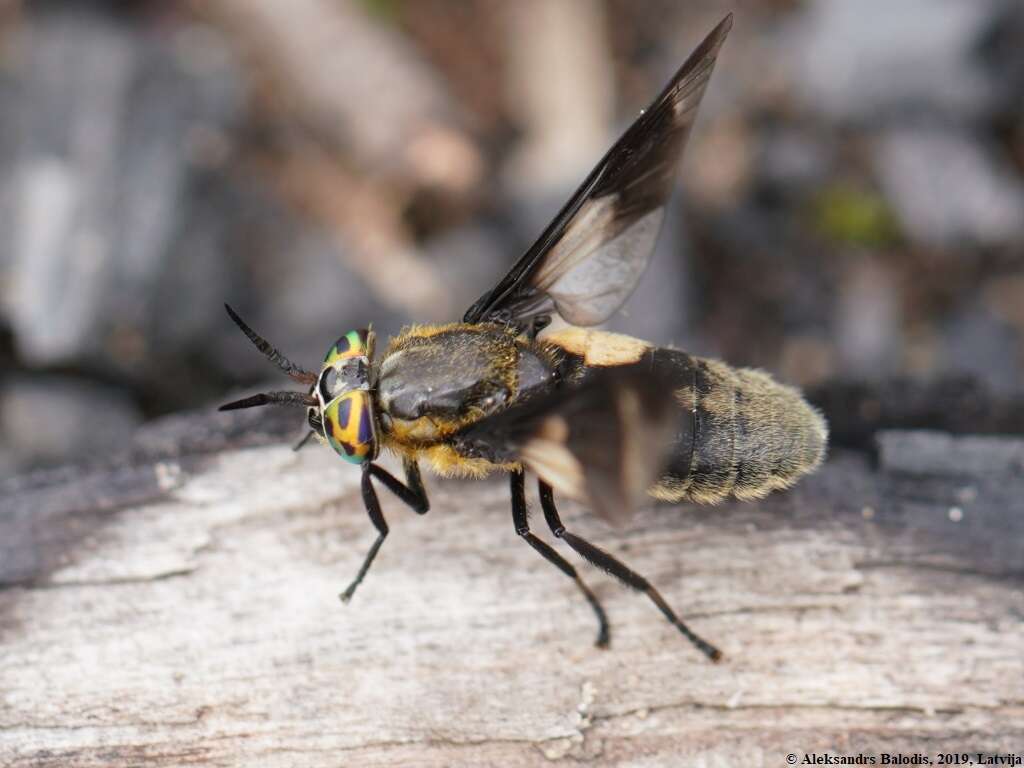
(350,428)
(353,344)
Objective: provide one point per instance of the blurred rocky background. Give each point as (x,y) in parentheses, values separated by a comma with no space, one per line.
(851,215)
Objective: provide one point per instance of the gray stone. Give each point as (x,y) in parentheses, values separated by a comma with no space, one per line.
(113,124)
(926,452)
(290,283)
(52,419)
(469,260)
(978,343)
(949,188)
(855,60)
(792,161)
(867,320)
(195,278)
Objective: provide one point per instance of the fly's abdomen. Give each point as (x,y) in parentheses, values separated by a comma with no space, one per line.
(738,432)
(748,434)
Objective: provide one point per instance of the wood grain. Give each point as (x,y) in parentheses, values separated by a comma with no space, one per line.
(185,612)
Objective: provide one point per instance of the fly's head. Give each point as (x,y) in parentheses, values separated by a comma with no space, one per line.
(339,404)
(344,414)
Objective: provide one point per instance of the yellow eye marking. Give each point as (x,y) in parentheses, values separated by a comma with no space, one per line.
(348,422)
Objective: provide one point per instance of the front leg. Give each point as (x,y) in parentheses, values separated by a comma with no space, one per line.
(412,493)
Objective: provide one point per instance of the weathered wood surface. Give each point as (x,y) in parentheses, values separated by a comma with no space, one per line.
(185,612)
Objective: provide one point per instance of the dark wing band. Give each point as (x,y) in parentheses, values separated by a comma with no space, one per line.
(590,258)
(604,441)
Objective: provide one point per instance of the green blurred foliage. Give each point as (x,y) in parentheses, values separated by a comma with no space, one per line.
(850,215)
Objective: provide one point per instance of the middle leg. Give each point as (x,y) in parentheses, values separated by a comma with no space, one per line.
(521,521)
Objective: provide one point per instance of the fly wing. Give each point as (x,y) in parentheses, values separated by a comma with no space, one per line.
(590,258)
(604,441)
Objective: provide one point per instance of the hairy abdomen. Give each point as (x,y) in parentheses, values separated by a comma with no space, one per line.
(740,432)
(747,434)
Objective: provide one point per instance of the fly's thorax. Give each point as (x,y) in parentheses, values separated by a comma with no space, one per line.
(435,380)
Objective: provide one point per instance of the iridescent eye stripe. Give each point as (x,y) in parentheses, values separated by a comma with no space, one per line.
(352,344)
(342,416)
(365,426)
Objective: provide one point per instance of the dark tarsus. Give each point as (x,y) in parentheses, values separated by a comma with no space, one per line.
(618,569)
(412,493)
(305,439)
(520,517)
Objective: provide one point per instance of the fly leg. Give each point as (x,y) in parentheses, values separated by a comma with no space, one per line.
(519,517)
(303,441)
(619,570)
(418,500)
(412,493)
